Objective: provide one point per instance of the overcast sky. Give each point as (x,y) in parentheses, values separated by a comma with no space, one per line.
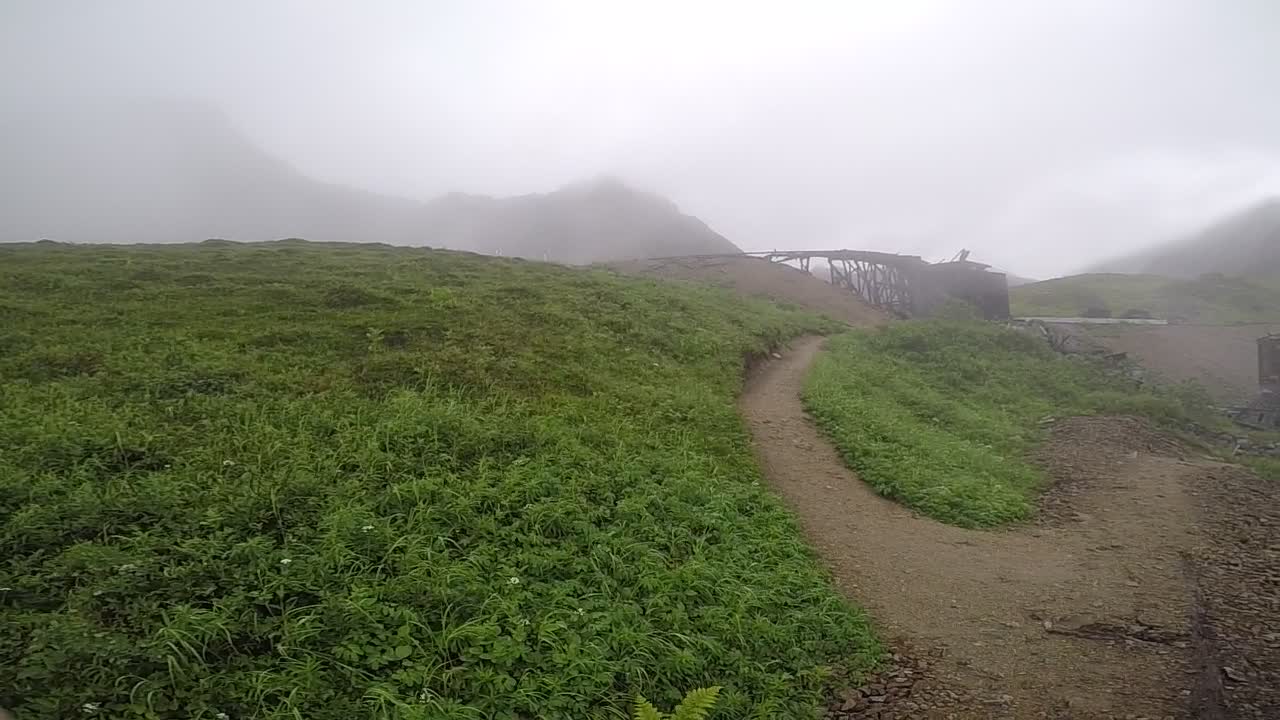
(1043,135)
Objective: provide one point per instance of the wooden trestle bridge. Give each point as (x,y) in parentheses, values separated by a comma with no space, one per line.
(905,285)
(888,281)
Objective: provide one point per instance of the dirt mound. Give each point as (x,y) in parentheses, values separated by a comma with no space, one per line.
(761,278)
(1078,438)
(1223,358)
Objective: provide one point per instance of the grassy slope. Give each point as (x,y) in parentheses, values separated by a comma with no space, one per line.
(337,481)
(1212,299)
(940,415)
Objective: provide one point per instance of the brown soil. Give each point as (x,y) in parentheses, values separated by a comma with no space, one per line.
(1238,573)
(761,278)
(1224,358)
(1115,604)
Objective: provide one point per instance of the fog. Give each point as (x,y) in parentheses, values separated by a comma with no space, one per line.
(1043,136)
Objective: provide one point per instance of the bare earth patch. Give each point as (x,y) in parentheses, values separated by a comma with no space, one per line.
(1111,606)
(1223,358)
(1237,569)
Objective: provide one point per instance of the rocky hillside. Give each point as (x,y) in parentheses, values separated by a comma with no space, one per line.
(171,172)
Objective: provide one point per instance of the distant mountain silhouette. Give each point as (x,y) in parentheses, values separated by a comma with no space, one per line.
(587,222)
(1245,243)
(174,172)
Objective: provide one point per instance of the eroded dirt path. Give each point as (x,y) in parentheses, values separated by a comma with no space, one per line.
(1087,614)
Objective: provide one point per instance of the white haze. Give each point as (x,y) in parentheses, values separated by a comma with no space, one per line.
(1041,135)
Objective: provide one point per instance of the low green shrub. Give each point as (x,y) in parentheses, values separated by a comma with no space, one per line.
(697,705)
(1265,467)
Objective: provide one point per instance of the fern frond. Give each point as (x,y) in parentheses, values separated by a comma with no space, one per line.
(697,704)
(644,710)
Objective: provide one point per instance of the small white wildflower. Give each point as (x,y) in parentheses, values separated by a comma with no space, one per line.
(424,695)
(513,580)
(285,561)
(581,612)
(91,707)
(524,621)
(221,716)
(167,466)
(367,528)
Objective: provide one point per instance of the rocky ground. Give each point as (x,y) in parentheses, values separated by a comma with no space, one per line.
(909,686)
(1237,573)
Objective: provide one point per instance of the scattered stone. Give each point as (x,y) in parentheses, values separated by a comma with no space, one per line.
(905,689)
(1237,571)
(1231,674)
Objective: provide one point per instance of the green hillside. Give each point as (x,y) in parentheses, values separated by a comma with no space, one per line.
(942,416)
(1208,298)
(336,481)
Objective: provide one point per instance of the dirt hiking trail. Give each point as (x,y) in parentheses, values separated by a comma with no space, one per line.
(1092,612)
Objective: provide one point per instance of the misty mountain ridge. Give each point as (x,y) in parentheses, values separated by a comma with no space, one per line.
(180,172)
(603,219)
(1246,243)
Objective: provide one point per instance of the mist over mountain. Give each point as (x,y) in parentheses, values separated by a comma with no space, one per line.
(1244,243)
(587,222)
(181,172)
(168,172)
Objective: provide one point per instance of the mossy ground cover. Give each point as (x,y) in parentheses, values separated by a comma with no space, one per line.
(339,481)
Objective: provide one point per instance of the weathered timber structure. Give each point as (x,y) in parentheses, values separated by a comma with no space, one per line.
(906,285)
(1269,362)
(1263,412)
